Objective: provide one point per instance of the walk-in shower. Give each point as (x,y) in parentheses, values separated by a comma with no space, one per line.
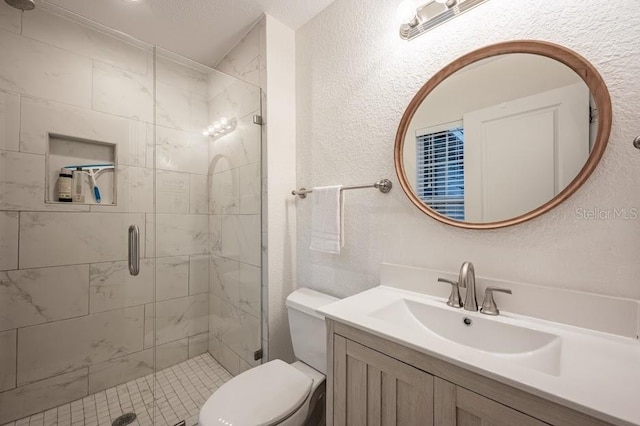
(83,340)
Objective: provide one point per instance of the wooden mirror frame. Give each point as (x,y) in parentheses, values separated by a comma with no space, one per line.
(573,60)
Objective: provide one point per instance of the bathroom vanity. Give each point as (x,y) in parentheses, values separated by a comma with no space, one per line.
(399,358)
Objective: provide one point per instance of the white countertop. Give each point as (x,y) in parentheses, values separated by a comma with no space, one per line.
(599,372)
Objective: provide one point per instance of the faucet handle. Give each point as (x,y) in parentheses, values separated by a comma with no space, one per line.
(454,298)
(489,306)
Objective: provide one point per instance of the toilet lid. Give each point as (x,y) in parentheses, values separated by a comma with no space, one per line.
(262,396)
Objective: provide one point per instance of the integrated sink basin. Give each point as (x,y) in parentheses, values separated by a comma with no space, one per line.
(517,344)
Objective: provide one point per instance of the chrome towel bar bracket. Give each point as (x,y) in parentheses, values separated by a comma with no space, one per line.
(383,186)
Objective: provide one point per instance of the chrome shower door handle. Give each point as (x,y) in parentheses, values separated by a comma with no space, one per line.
(134,250)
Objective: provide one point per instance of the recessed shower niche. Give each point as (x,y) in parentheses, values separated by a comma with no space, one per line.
(91,167)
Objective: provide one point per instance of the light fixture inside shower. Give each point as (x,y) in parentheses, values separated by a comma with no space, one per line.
(220,127)
(21,4)
(431,14)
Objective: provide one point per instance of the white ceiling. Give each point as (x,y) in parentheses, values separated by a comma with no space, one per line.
(201,30)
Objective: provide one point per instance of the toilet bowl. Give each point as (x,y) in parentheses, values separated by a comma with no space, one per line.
(277,393)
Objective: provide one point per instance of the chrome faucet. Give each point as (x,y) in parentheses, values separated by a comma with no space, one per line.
(454,298)
(467,279)
(489,306)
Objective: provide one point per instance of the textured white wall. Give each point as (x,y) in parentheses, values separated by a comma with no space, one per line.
(355,77)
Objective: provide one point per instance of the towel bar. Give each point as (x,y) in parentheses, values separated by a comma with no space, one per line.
(383,186)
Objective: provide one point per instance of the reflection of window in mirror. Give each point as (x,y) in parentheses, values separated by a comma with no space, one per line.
(440,168)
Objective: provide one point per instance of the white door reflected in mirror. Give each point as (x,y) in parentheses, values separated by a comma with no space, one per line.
(522,154)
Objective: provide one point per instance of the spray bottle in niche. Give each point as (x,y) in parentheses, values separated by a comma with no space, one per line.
(78,196)
(65,180)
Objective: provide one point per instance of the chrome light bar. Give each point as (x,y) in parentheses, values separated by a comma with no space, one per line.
(435,13)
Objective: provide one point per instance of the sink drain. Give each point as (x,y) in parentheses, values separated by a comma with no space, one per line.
(124,419)
(466,320)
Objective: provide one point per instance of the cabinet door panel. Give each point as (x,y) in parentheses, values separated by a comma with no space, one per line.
(464,418)
(374,393)
(356,395)
(388,402)
(457,406)
(373,389)
(339,381)
(444,397)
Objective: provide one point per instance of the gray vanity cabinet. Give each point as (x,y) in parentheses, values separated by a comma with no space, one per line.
(374,381)
(374,389)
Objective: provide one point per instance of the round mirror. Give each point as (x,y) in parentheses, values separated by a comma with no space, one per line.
(503,134)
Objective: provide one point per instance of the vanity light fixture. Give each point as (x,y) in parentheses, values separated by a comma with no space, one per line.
(431,14)
(406,12)
(221,127)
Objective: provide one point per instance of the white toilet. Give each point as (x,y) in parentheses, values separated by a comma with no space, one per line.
(277,393)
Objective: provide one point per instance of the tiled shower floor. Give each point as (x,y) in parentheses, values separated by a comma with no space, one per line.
(180,392)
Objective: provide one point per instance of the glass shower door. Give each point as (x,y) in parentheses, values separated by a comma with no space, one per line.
(207,233)
(76,335)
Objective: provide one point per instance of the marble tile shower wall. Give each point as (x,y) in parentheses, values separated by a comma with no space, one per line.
(72,320)
(235,210)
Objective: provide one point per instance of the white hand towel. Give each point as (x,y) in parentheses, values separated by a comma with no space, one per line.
(326,219)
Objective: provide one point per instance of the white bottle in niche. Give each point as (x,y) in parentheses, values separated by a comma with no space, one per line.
(78,175)
(64,184)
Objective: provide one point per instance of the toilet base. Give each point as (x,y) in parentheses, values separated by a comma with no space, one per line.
(317,413)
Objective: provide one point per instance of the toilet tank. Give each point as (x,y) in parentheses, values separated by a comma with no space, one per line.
(308,330)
